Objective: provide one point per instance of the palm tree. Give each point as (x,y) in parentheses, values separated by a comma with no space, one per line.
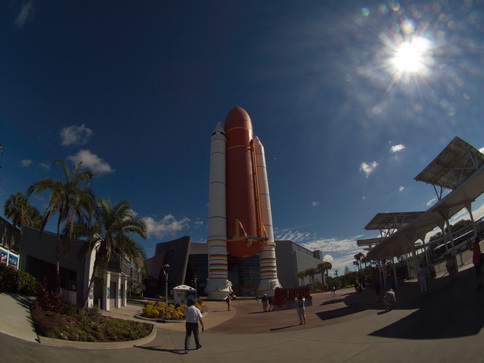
(70,199)
(311,272)
(323,268)
(18,209)
(301,275)
(358,257)
(107,234)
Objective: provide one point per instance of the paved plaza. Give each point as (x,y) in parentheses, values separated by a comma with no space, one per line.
(442,326)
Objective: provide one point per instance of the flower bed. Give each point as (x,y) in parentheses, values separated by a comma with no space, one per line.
(156,310)
(85,325)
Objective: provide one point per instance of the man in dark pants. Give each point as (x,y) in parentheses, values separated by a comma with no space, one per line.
(192,316)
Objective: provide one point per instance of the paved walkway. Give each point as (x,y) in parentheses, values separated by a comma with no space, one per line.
(442,326)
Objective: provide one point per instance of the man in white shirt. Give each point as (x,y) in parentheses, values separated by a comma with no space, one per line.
(192,317)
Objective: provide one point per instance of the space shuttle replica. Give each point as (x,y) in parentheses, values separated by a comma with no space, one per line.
(239,211)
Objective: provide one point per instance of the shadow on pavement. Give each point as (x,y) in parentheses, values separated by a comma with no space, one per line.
(284,327)
(158,349)
(453,309)
(24,301)
(333,301)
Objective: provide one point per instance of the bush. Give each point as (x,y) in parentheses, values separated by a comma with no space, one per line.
(49,300)
(16,281)
(85,325)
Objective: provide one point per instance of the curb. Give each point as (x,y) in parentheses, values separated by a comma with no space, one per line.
(98,345)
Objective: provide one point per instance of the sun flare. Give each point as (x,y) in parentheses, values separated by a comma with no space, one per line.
(412,56)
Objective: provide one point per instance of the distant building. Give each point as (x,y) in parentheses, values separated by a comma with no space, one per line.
(189,265)
(38,257)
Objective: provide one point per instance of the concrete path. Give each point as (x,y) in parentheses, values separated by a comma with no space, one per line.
(15,317)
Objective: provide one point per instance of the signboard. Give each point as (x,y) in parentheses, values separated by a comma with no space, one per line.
(8,258)
(13,261)
(3,256)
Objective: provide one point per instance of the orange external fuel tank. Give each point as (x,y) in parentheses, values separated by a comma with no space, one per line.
(242,209)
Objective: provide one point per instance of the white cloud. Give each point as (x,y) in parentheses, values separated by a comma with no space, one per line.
(397,148)
(315,203)
(295,236)
(401,188)
(26,14)
(431,202)
(165,226)
(328,258)
(478,212)
(91,161)
(481,150)
(45,166)
(368,168)
(26,163)
(75,135)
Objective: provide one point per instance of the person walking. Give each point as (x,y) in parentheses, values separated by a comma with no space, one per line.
(265,301)
(390,300)
(333,291)
(228,300)
(193,316)
(301,309)
(477,261)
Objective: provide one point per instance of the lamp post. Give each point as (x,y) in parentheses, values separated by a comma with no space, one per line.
(164,267)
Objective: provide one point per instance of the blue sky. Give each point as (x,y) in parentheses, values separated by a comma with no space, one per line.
(348,115)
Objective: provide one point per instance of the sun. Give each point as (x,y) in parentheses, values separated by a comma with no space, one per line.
(412,56)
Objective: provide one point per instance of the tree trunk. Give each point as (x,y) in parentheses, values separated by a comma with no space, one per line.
(57,257)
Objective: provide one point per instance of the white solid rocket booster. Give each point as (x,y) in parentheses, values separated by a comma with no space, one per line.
(267,256)
(218,285)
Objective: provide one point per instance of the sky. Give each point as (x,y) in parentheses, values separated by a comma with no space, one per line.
(351,99)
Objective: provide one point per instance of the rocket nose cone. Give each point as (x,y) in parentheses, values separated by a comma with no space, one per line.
(237,118)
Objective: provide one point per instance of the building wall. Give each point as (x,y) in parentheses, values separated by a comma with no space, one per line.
(174,253)
(292,258)
(38,257)
(243,273)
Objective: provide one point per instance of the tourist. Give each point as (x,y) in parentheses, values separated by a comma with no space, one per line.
(264,302)
(423,278)
(390,300)
(193,316)
(301,309)
(228,300)
(451,265)
(477,261)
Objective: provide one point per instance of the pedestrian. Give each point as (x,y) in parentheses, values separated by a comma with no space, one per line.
(477,261)
(390,300)
(270,303)
(451,265)
(264,302)
(228,300)
(423,273)
(193,316)
(301,309)
(333,291)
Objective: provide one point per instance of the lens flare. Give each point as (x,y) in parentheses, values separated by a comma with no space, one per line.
(412,56)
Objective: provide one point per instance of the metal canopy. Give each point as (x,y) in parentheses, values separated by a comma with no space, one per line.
(454,165)
(369,242)
(465,190)
(392,220)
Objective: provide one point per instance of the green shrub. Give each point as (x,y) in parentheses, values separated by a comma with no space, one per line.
(85,325)
(16,281)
